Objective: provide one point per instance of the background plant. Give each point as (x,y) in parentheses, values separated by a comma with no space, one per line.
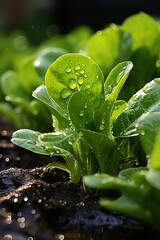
(23,69)
(136,39)
(108,47)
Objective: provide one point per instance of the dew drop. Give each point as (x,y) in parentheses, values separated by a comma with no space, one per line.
(80,80)
(68,69)
(103,122)
(77,67)
(109,88)
(72,84)
(82,71)
(85,106)
(97,76)
(81,114)
(65,93)
(85,75)
(102,127)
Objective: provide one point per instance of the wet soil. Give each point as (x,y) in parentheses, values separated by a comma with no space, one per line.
(39,205)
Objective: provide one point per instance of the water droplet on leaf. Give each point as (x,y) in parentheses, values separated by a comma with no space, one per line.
(85,106)
(68,69)
(81,114)
(72,84)
(80,80)
(82,71)
(109,88)
(77,67)
(65,93)
(102,127)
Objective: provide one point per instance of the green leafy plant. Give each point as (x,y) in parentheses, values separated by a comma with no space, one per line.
(18,104)
(23,69)
(140,187)
(136,39)
(83,108)
(17,87)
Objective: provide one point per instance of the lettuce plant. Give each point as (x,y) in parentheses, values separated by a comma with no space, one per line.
(92,130)
(136,39)
(17,87)
(84,108)
(140,187)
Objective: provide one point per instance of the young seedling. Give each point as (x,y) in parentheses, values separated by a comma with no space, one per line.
(83,108)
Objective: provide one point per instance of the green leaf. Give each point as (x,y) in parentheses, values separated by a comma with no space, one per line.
(140,193)
(119,107)
(113,85)
(155,156)
(116,79)
(104,181)
(71,73)
(153,177)
(101,145)
(56,143)
(28,76)
(41,94)
(7,110)
(48,143)
(81,111)
(51,144)
(148,126)
(125,205)
(144,30)
(45,58)
(109,47)
(27,139)
(12,87)
(142,75)
(145,100)
(128,173)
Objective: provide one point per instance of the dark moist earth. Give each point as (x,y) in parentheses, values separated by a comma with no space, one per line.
(38,205)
